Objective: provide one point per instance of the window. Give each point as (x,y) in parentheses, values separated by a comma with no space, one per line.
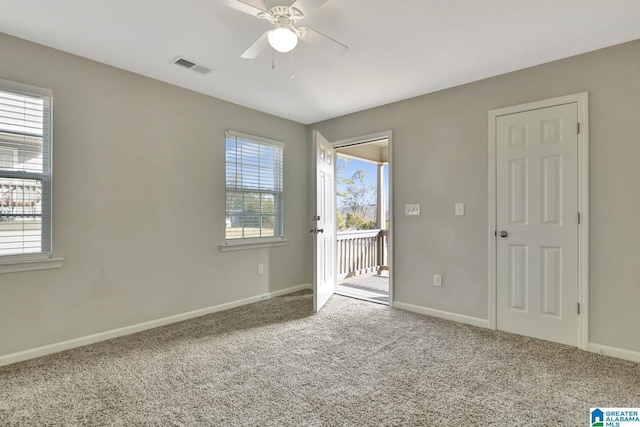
(253,188)
(25,172)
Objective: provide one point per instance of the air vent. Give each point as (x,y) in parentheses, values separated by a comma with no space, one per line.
(185,63)
(200,69)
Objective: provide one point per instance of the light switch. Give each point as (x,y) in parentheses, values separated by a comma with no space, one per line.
(459,209)
(437,280)
(412,209)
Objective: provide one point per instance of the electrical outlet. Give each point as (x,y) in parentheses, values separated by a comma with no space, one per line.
(459,209)
(260,269)
(437,280)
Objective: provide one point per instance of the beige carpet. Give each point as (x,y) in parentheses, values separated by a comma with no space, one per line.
(273,363)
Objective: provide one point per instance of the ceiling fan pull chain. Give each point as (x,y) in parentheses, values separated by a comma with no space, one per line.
(273,59)
(293,64)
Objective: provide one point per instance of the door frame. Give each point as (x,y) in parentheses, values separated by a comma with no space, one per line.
(363,140)
(582,100)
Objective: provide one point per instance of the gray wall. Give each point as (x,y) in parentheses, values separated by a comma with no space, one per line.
(139,197)
(139,203)
(440,157)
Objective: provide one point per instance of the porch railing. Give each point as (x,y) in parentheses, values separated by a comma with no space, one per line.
(362,252)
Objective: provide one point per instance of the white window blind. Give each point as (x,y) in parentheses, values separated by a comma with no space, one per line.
(25,171)
(253,187)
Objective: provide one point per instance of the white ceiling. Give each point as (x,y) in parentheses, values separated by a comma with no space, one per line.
(397,49)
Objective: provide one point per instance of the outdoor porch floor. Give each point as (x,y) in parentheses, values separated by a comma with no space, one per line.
(370,287)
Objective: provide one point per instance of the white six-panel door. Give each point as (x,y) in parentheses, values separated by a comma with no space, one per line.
(537,223)
(324,283)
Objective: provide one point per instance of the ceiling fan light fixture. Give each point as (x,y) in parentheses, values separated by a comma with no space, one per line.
(283,39)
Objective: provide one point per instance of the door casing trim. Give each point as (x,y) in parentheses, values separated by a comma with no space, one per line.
(582,100)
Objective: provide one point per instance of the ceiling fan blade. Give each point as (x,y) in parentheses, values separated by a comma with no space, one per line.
(326,43)
(251,7)
(273,3)
(257,47)
(256,4)
(307,6)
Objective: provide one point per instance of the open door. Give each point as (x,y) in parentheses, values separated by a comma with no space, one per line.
(324,281)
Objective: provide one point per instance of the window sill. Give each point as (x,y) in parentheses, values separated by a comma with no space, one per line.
(40,264)
(252,244)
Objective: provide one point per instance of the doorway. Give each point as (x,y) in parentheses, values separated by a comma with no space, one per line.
(363,218)
(539,219)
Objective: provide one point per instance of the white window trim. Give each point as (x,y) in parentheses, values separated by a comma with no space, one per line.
(246,136)
(244,244)
(30,265)
(37,261)
(231,245)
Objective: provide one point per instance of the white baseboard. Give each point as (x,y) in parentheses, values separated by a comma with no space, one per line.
(127,330)
(475,321)
(620,353)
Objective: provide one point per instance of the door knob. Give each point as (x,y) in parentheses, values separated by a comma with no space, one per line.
(320,230)
(504,233)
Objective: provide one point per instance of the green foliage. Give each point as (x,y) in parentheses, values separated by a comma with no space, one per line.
(357,222)
(340,221)
(357,198)
(369,225)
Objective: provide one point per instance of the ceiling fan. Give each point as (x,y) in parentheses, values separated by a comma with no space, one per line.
(284,37)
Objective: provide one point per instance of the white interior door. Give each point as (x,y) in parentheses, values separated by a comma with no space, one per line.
(537,223)
(324,282)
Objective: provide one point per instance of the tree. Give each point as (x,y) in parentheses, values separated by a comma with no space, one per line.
(357,198)
(340,221)
(341,170)
(357,222)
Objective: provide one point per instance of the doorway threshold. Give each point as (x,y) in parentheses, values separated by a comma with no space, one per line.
(373,288)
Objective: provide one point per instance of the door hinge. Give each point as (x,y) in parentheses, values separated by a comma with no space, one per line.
(579,218)
(578,308)
(578,128)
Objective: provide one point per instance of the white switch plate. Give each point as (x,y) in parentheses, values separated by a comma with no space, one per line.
(260,269)
(437,280)
(412,209)
(459,209)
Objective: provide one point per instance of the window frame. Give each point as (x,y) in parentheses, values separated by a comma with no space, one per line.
(256,242)
(32,261)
